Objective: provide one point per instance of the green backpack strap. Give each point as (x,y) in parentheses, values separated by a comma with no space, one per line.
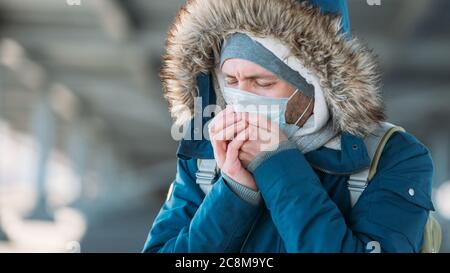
(375,144)
(432,236)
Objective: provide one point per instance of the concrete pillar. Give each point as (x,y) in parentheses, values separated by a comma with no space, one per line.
(43,125)
(3,235)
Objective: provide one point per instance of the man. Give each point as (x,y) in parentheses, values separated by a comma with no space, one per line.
(293,194)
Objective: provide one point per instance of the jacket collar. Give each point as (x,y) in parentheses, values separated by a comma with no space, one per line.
(352,157)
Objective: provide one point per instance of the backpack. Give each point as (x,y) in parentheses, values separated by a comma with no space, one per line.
(357,182)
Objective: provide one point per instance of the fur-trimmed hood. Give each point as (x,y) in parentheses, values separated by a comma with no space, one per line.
(347,71)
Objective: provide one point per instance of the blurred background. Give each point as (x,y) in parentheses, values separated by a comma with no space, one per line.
(86,156)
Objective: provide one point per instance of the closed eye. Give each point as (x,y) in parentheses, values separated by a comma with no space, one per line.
(231,81)
(265,84)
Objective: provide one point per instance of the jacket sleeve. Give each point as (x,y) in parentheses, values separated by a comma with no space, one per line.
(190,222)
(390,214)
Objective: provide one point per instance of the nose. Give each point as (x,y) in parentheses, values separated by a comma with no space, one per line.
(245,86)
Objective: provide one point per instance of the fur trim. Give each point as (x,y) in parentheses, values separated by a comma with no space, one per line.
(347,70)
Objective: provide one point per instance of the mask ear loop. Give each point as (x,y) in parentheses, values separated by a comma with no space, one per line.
(306,110)
(293,94)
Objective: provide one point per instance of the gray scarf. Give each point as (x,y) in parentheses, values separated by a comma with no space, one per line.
(311,142)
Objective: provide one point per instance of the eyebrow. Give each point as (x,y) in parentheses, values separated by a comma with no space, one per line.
(254,77)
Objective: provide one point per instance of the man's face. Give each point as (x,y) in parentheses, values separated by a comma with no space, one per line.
(250,77)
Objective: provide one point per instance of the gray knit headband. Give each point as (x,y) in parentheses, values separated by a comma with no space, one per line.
(239,45)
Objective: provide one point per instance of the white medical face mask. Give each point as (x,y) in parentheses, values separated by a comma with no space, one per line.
(273,108)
